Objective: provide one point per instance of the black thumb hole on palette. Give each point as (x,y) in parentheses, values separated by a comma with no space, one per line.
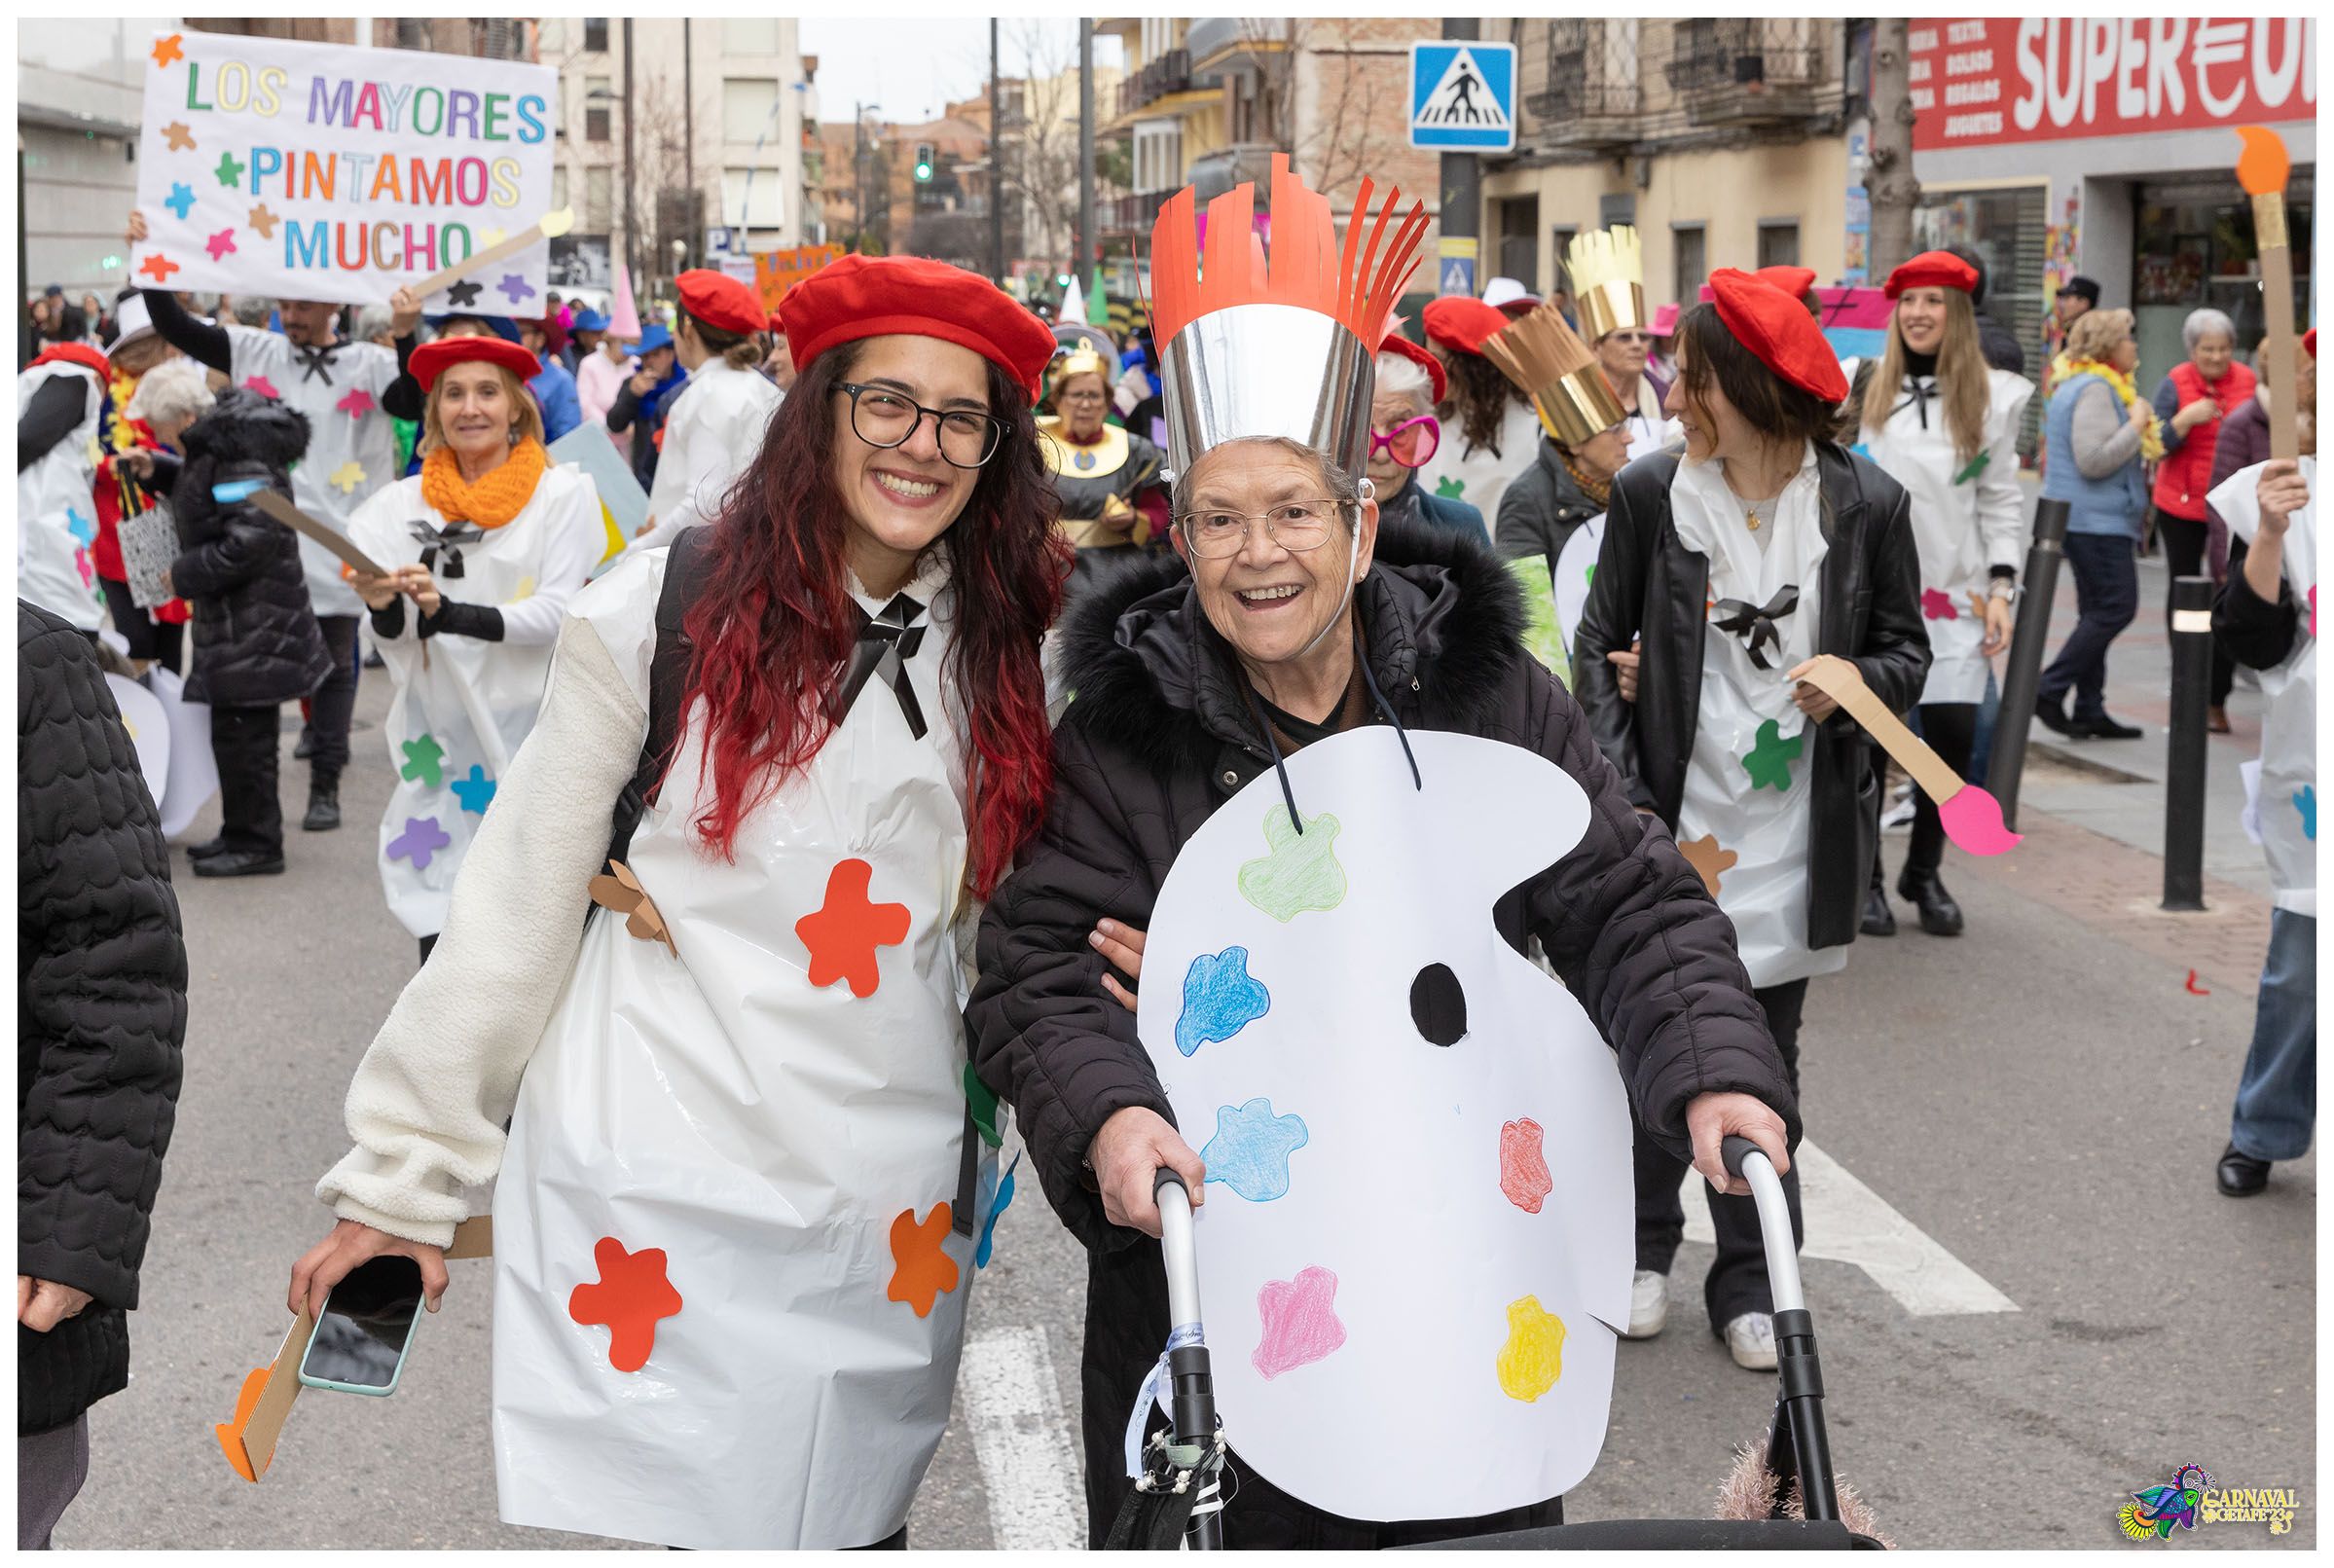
(1438,1005)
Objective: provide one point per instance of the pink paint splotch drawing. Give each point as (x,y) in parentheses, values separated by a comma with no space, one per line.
(1522,1165)
(1300,1321)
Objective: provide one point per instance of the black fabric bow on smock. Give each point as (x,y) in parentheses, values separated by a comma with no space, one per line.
(316,361)
(450,542)
(1755,624)
(886,643)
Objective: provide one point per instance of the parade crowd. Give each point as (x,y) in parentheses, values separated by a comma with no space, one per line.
(754,861)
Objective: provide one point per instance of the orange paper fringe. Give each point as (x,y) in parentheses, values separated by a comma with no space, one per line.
(1357,285)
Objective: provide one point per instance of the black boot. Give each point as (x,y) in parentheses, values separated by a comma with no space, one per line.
(306,748)
(323,808)
(2051,711)
(2103,728)
(208,848)
(1939,916)
(241,864)
(2241,1175)
(1879,918)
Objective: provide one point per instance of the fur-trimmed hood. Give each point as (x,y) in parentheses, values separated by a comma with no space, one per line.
(1150,677)
(243,427)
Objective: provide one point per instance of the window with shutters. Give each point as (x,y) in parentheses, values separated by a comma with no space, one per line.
(749,35)
(759,202)
(1689,244)
(1779,243)
(746,103)
(599,104)
(599,201)
(594,35)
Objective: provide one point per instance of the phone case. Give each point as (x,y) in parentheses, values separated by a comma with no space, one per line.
(407,1349)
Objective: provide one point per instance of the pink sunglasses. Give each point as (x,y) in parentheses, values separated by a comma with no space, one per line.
(1411,443)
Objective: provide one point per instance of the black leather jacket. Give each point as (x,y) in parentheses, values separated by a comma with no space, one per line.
(1648,584)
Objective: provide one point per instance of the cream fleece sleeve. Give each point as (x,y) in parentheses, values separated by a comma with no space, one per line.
(430,1098)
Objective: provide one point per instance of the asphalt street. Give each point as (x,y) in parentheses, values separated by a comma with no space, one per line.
(2043,1098)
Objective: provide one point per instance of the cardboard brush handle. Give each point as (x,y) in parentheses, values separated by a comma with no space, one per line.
(1972,819)
(331,538)
(2262,171)
(550,226)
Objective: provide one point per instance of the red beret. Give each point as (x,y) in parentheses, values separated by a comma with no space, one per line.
(776,327)
(1776,327)
(1396,343)
(720,302)
(1792,281)
(1463,322)
(877,295)
(2309,343)
(1932,269)
(440,354)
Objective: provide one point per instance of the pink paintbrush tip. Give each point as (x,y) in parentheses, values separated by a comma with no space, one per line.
(1973,819)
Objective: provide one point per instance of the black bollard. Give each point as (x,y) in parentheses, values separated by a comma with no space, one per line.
(2184,746)
(2022,678)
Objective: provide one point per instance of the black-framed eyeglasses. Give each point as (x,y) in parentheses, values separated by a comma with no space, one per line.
(884,418)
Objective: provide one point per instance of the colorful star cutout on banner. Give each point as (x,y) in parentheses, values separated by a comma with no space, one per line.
(631,1299)
(166,50)
(219,243)
(1769,761)
(262,222)
(262,385)
(230,172)
(921,1271)
(357,404)
(476,792)
(464,292)
(844,931)
(515,287)
(420,840)
(180,201)
(347,477)
(178,138)
(158,267)
(425,761)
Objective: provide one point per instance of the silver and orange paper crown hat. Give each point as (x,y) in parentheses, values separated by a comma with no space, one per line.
(1249,350)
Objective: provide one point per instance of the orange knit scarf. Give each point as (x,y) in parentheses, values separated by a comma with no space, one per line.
(501,495)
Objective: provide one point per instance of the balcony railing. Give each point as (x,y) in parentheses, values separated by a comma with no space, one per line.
(1169,73)
(1740,71)
(1591,98)
(1134,214)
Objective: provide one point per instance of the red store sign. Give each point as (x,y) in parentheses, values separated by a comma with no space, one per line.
(1982,80)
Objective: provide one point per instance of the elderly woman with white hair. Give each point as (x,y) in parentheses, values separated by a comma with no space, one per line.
(1404,435)
(2191,402)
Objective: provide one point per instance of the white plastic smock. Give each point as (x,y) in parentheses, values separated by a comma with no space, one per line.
(2287,797)
(1477,475)
(1968,517)
(351,451)
(56,515)
(1748,736)
(1576,569)
(714,433)
(462,705)
(776,1106)
(1418,1227)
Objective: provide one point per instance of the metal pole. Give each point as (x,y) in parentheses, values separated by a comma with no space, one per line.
(1462,215)
(995,165)
(2184,747)
(632,234)
(688,142)
(2022,678)
(858,176)
(1084,269)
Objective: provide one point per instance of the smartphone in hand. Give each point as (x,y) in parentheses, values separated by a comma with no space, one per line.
(367,1329)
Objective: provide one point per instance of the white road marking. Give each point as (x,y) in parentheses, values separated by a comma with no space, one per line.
(1848,1222)
(1028,1459)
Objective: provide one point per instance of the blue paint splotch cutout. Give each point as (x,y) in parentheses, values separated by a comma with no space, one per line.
(2305,801)
(994,1208)
(1249,1151)
(1220,999)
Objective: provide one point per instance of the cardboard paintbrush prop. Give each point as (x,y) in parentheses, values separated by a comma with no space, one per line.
(265,1403)
(2262,169)
(1972,819)
(550,226)
(324,534)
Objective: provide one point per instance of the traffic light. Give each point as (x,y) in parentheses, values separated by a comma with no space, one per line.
(924,163)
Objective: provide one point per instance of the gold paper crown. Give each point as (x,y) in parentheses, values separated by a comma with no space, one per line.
(1547,359)
(1608,279)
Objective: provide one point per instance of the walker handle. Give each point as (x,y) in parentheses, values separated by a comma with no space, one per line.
(1179,1245)
(1748,1160)
(1733,1150)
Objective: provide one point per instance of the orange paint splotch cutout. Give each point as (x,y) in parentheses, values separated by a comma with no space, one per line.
(631,1296)
(1708,858)
(843,933)
(1533,1357)
(231,1433)
(1523,1166)
(922,1270)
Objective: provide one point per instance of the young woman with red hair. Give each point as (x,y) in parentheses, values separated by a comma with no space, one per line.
(736,1209)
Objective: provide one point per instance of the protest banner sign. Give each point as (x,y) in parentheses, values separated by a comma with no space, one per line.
(318,171)
(777,270)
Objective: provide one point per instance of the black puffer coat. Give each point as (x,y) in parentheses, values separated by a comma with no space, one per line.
(101,979)
(256,637)
(1158,737)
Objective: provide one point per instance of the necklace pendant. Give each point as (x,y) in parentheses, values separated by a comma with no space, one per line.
(1751,518)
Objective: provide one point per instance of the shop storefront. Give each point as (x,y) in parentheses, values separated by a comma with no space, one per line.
(2106,147)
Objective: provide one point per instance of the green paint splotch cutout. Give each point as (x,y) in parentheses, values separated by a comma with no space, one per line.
(1543,638)
(1300,873)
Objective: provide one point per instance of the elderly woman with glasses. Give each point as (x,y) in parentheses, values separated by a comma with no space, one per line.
(735,1205)
(2190,404)
(1299,616)
(1113,503)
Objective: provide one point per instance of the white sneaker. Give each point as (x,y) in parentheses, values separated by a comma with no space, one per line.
(1750,1340)
(1900,812)
(1649,1304)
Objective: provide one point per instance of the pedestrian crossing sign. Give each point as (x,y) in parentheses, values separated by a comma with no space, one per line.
(1463,97)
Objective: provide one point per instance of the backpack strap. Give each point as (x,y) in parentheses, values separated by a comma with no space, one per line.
(685,570)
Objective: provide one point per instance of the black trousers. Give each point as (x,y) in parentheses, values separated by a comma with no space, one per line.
(2184,552)
(148,637)
(1737,1282)
(334,704)
(245,743)
(1951,731)
(2107,597)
